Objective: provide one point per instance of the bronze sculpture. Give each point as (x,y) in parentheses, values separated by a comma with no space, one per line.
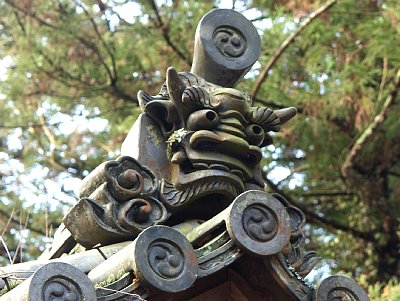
(186,199)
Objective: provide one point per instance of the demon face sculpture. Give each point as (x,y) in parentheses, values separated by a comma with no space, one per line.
(199,147)
(199,140)
(213,139)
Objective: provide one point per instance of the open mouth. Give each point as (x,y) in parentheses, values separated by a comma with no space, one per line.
(196,161)
(188,167)
(200,158)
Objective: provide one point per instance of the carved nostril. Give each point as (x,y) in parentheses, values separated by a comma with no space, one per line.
(255,134)
(211,115)
(202,120)
(257,129)
(250,159)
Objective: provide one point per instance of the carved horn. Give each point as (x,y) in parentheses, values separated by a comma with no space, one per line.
(144,99)
(175,86)
(286,114)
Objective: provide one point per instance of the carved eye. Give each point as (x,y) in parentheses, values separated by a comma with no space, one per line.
(203,120)
(255,134)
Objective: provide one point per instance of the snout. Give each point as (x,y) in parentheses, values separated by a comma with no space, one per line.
(228,144)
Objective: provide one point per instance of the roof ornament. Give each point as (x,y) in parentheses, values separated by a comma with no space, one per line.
(184,209)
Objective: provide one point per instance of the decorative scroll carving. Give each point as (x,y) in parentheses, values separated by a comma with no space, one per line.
(266,118)
(229,41)
(217,254)
(175,198)
(125,179)
(339,288)
(59,281)
(303,262)
(196,96)
(58,288)
(164,259)
(288,278)
(310,260)
(259,223)
(219,261)
(119,208)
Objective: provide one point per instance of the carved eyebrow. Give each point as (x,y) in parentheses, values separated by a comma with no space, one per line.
(264,117)
(196,95)
(271,120)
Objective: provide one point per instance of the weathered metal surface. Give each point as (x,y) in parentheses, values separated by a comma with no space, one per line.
(125,179)
(339,288)
(259,223)
(296,256)
(226,47)
(146,143)
(160,257)
(165,260)
(118,203)
(84,261)
(54,281)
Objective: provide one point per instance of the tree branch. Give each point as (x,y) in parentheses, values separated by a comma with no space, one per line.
(274,105)
(29,14)
(297,169)
(326,193)
(395,174)
(320,220)
(82,40)
(113,77)
(16,221)
(383,80)
(370,131)
(260,18)
(165,33)
(40,125)
(278,52)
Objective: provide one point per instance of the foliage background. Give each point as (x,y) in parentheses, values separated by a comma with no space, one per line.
(70,71)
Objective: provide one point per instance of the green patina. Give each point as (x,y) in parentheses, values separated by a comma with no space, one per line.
(153,136)
(112,278)
(12,283)
(175,138)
